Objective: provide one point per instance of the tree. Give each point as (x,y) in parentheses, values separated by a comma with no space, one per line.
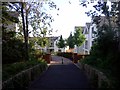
(12,47)
(61,42)
(24,31)
(79,38)
(108,36)
(38,19)
(27,9)
(19,7)
(70,41)
(43,41)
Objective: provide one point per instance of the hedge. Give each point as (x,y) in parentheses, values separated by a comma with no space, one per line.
(19,75)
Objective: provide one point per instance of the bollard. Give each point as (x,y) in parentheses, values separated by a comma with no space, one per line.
(62,60)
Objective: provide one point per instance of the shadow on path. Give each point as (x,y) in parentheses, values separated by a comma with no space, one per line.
(61,76)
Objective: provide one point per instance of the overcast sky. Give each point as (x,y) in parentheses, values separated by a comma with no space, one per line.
(71,14)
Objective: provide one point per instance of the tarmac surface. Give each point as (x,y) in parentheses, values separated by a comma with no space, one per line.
(58,76)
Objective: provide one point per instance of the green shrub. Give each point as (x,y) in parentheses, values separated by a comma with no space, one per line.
(13,51)
(66,55)
(10,70)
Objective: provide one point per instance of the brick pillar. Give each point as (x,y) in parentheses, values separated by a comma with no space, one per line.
(75,58)
(47,58)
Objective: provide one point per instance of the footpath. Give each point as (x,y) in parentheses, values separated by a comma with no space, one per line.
(58,76)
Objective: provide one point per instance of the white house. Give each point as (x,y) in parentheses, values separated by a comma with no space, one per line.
(52,47)
(89,34)
(87,30)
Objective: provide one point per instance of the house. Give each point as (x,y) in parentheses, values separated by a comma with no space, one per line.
(51,47)
(10,25)
(88,31)
(90,36)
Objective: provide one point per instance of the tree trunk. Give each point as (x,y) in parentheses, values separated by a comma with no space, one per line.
(24,31)
(27,35)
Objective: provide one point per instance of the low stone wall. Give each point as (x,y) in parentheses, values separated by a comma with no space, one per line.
(97,79)
(24,78)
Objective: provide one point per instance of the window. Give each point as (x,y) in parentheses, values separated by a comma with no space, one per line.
(52,44)
(86,52)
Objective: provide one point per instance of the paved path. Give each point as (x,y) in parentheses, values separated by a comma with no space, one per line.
(60,76)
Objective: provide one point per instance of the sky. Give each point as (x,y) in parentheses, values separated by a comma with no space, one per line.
(71,14)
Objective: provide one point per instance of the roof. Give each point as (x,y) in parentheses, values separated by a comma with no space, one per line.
(13,14)
(88,25)
(54,38)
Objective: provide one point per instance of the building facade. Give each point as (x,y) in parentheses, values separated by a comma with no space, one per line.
(88,30)
(51,47)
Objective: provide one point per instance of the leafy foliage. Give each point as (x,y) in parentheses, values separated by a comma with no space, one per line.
(105,53)
(78,36)
(43,41)
(10,70)
(13,51)
(15,44)
(12,47)
(70,41)
(61,42)
(77,39)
